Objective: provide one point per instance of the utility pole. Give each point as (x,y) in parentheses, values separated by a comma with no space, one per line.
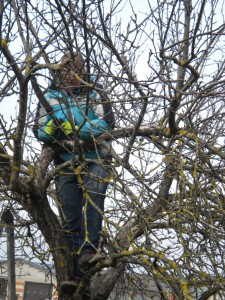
(7,219)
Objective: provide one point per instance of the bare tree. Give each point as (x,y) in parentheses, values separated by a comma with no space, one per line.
(162,65)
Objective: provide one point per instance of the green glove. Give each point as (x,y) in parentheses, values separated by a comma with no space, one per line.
(51,128)
(67,128)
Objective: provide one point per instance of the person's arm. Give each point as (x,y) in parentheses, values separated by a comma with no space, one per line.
(87,126)
(93,128)
(97,123)
(102,118)
(49,124)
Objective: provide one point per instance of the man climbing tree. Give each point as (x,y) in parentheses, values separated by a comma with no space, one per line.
(79,114)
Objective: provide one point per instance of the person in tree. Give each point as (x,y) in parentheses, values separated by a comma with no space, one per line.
(79,113)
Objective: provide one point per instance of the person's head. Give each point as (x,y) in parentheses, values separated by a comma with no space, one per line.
(72,71)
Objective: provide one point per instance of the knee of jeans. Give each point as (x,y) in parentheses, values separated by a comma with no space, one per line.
(97,187)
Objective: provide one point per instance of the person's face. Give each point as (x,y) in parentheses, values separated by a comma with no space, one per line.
(71,76)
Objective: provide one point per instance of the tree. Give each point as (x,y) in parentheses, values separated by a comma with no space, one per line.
(163,66)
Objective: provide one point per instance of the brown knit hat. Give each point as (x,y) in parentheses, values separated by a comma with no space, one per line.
(75,61)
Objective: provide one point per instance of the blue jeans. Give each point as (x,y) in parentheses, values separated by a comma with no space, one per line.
(72,200)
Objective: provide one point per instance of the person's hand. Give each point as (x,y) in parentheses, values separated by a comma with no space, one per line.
(67,128)
(51,128)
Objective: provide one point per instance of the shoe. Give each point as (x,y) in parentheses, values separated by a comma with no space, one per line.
(70,286)
(84,261)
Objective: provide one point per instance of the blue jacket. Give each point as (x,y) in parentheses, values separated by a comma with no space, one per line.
(96,119)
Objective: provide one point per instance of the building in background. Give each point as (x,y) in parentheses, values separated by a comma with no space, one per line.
(34,281)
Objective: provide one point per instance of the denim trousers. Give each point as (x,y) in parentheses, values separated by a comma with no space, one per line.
(81,205)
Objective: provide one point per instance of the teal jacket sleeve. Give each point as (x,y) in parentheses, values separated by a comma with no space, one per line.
(90,125)
(93,128)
